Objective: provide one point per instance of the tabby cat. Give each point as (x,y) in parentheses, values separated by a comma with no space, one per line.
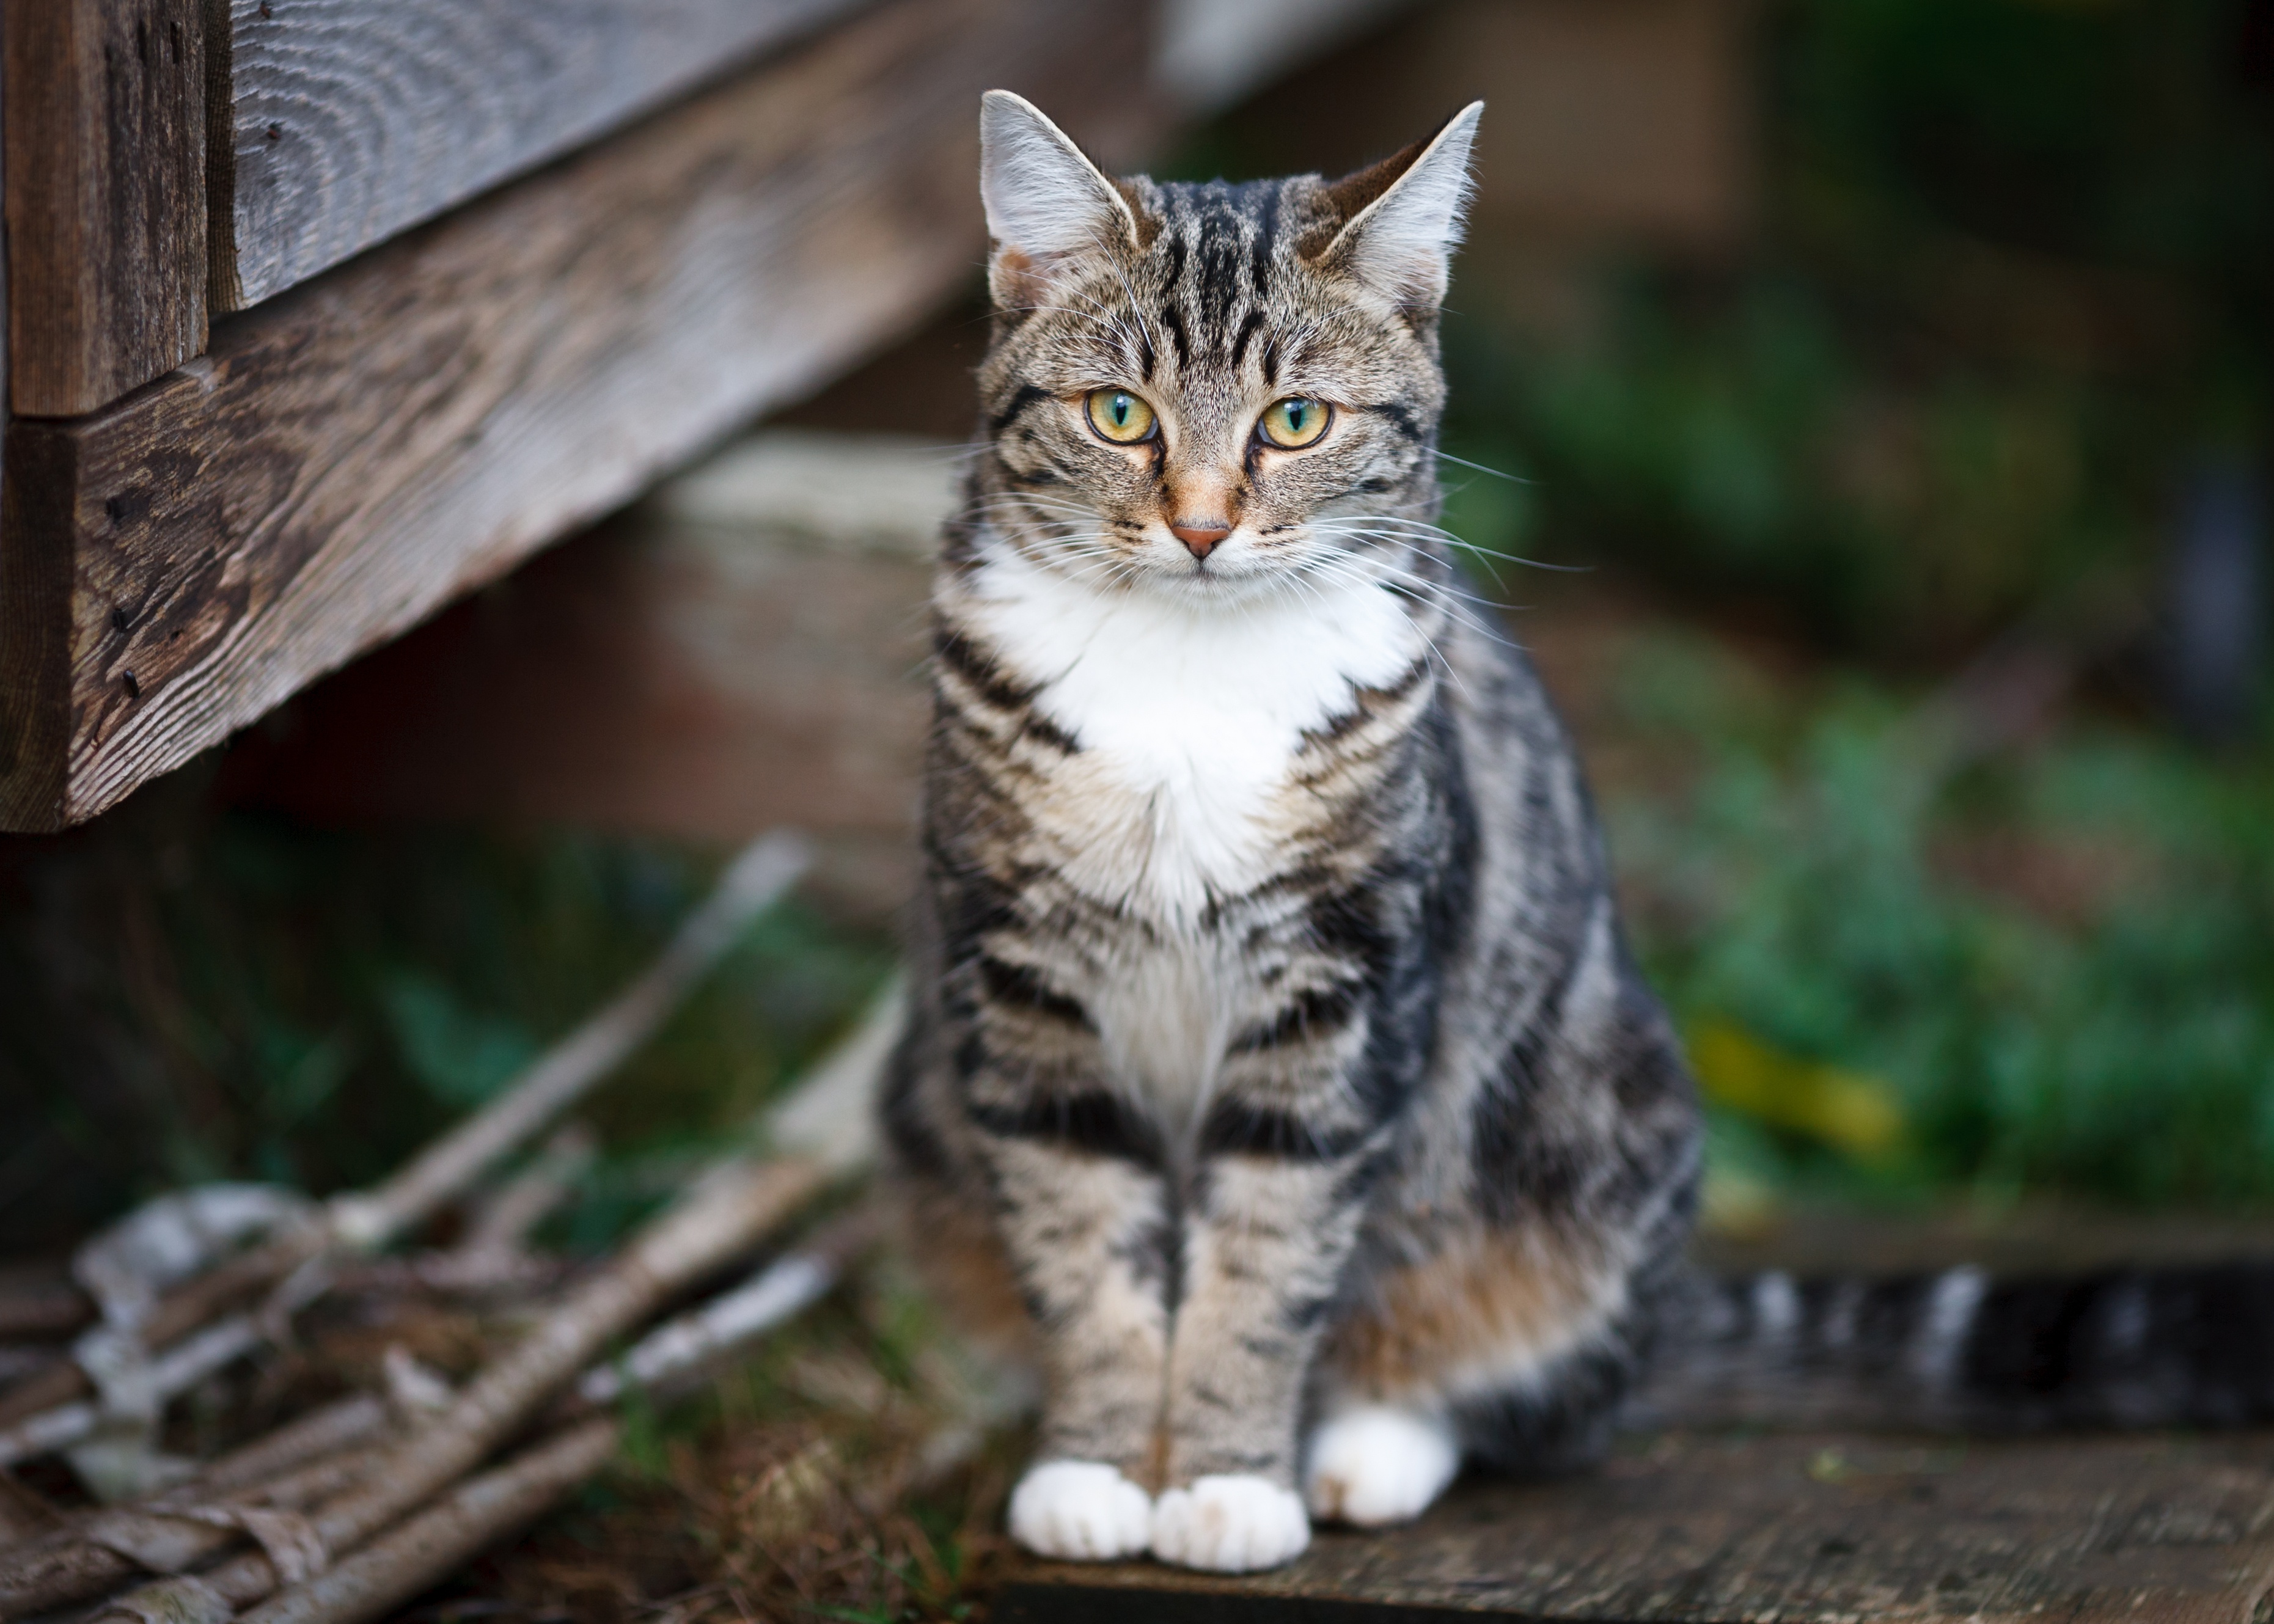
(1277,1080)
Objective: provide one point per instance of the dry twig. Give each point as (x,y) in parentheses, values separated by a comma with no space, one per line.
(502,1225)
(399,1564)
(447,1168)
(777,1293)
(726,1214)
(359,1495)
(308,1460)
(178,1369)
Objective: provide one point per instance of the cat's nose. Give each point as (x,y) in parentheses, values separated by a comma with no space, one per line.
(1200,536)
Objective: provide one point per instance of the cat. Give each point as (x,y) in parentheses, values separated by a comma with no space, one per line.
(1275,1053)
(1276,1079)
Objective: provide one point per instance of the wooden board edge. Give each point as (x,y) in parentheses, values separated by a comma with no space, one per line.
(224,289)
(1205,1602)
(106,244)
(248,277)
(36,570)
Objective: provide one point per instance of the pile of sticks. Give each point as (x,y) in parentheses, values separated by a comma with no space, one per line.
(359,1504)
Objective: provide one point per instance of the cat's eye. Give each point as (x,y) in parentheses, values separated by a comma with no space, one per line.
(1294,423)
(1119,416)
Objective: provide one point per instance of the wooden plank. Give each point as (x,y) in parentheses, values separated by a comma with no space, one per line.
(104,137)
(372,444)
(352,120)
(744,649)
(1804,1530)
(35,619)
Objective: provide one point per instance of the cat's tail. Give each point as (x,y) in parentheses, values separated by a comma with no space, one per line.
(1965,1350)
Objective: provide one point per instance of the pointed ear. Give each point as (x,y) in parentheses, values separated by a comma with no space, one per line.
(1047,203)
(1404,215)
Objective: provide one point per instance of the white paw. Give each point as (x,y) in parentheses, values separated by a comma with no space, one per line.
(1230,1524)
(1375,1465)
(1081,1510)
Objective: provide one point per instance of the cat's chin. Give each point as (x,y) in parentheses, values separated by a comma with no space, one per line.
(1211,589)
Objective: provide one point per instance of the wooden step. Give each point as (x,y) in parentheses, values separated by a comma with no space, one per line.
(1820,1527)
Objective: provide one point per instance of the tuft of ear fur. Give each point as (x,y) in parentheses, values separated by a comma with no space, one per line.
(1404,215)
(1047,203)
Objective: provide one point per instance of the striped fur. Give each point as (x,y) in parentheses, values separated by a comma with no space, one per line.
(1277,1080)
(1961,1351)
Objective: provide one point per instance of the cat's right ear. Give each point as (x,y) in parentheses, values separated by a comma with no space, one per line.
(1048,205)
(1403,216)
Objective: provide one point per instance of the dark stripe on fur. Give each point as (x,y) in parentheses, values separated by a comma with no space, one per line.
(1957,1352)
(1518,1168)
(1042,730)
(1320,1011)
(1399,418)
(1235,1130)
(1021,986)
(1094,1121)
(913,1141)
(1173,318)
(1026,396)
(2132,1348)
(1219,286)
(1368,702)
(1266,238)
(978,670)
(1247,331)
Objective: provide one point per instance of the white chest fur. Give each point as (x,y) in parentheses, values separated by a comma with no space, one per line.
(1189,715)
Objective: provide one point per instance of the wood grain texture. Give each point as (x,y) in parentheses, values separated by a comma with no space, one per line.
(377,441)
(1822,1529)
(701,676)
(352,120)
(103,110)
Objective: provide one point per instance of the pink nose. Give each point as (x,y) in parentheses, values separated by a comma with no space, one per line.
(1199,539)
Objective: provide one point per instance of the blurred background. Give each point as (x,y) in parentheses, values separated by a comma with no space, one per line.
(1870,398)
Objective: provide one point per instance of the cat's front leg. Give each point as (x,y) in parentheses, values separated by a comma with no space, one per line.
(1273,1210)
(1083,1211)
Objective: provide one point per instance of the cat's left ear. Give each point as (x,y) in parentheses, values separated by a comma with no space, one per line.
(1047,204)
(1404,215)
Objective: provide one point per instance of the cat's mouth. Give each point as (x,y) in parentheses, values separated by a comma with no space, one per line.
(1227,577)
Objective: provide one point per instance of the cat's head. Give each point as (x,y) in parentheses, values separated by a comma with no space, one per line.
(1210,389)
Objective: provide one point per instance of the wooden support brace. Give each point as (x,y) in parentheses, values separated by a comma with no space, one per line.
(104,108)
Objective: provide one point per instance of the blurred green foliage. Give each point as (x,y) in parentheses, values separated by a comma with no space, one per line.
(188,993)
(2058,958)
(2015,270)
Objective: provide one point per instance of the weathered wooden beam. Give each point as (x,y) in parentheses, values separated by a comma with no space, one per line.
(104,110)
(349,121)
(1688,1530)
(742,650)
(360,450)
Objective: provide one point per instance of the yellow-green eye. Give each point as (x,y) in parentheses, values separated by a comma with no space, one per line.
(1294,422)
(1120,416)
